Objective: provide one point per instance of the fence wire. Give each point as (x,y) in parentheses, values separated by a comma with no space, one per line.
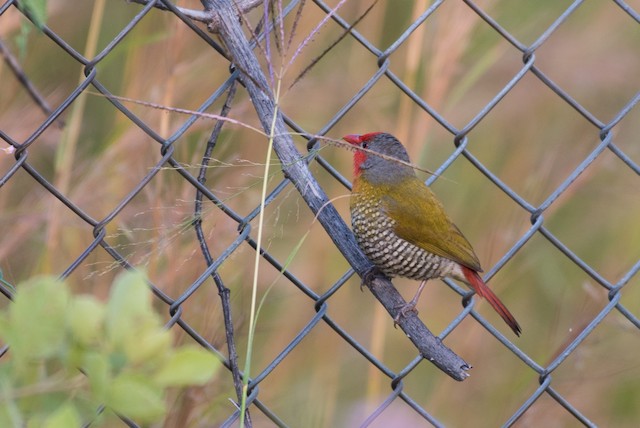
(168,154)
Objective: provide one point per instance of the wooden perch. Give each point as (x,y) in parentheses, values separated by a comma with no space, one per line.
(296,170)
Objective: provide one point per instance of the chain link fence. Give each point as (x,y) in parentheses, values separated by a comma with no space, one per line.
(155,158)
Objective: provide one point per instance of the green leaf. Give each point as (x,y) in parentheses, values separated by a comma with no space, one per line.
(129,308)
(86,316)
(66,416)
(38,318)
(96,367)
(189,365)
(136,398)
(150,344)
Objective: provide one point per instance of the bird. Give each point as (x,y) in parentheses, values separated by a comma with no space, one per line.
(403,228)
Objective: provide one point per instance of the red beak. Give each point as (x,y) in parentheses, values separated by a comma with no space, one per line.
(353,139)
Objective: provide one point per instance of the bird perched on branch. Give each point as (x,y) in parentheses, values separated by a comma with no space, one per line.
(401,226)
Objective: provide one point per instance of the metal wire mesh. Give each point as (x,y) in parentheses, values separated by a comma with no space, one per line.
(166,154)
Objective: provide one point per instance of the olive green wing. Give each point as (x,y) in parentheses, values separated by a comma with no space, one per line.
(421,220)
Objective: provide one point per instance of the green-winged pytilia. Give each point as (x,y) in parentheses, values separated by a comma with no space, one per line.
(401,226)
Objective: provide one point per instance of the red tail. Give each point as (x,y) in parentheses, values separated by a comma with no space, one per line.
(483,291)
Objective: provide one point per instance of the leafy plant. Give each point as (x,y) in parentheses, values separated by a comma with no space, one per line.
(71,357)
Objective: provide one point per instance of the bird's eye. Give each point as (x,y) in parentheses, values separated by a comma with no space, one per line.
(365,145)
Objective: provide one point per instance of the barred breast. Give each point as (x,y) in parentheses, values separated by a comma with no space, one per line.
(394,256)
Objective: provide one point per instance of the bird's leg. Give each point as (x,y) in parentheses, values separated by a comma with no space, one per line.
(370,275)
(411,305)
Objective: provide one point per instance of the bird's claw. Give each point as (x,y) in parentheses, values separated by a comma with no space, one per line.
(370,275)
(403,310)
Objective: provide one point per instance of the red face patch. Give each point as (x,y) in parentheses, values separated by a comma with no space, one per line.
(360,156)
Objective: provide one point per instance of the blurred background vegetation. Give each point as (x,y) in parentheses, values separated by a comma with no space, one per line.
(532,140)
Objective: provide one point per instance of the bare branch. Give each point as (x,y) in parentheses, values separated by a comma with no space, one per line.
(430,347)
(209,17)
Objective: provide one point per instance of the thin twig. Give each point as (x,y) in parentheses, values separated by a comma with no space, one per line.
(338,143)
(255,32)
(208,17)
(14,66)
(180,110)
(311,35)
(280,34)
(197,15)
(204,247)
(295,24)
(344,34)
